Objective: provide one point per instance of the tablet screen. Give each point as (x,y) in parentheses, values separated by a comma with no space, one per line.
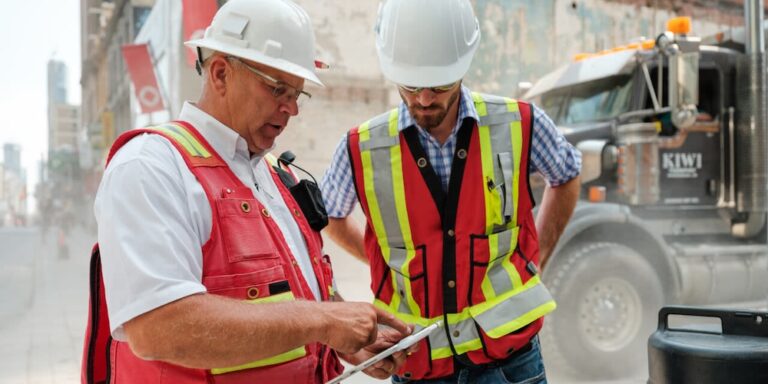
(400,346)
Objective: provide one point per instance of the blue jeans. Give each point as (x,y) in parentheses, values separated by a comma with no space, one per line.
(526,368)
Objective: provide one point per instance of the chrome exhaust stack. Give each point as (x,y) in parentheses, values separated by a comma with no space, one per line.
(751,126)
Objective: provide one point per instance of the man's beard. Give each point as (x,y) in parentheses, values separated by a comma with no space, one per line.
(428,122)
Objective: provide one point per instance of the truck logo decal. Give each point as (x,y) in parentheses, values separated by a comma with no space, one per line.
(679,165)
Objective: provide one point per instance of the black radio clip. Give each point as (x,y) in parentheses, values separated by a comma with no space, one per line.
(305,192)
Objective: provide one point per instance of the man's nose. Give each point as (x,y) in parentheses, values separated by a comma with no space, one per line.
(290,107)
(425,97)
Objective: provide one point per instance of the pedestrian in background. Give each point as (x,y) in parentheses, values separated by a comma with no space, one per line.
(443,183)
(206,270)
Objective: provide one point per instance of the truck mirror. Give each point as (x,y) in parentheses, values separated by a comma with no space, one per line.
(684,87)
(682,52)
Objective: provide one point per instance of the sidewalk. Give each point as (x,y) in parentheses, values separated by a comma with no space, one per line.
(44,344)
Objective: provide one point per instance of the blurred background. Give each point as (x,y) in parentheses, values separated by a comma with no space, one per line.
(67,93)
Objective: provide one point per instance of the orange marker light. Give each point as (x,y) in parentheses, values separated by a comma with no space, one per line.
(680,25)
(596,193)
(648,44)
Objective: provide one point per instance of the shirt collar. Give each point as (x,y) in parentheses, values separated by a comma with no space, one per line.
(224,140)
(466,110)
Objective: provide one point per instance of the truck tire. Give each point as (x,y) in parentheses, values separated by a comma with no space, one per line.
(608,297)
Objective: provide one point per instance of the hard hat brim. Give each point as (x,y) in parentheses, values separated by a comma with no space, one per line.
(425,76)
(252,55)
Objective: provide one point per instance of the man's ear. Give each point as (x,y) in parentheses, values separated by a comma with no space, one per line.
(219,72)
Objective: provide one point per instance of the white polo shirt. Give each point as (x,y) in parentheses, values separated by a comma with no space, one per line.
(154,217)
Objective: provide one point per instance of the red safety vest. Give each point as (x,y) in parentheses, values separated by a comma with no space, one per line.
(467,256)
(245,258)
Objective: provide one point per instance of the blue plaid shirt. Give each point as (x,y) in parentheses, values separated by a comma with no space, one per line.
(551,155)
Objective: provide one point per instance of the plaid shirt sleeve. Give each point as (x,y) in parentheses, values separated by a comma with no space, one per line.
(337,185)
(551,155)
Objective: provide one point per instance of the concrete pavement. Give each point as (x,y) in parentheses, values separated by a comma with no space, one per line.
(42,338)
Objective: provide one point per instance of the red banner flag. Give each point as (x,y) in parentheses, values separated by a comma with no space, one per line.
(198,15)
(143,76)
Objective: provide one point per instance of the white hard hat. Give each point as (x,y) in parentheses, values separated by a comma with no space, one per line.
(426,43)
(276,33)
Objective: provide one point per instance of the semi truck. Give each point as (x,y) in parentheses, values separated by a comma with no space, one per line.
(674,137)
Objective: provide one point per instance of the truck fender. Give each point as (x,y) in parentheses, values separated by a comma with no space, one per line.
(608,222)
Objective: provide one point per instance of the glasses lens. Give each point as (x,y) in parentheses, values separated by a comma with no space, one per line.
(444,88)
(411,89)
(280,91)
(438,89)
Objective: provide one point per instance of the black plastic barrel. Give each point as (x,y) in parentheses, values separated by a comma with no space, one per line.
(703,355)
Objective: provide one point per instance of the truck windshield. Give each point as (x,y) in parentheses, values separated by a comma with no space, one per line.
(594,101)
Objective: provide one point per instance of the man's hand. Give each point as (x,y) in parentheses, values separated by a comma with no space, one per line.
(352,326)
(386,338)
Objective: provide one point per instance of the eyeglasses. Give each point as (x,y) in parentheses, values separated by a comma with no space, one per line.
(438,89)
(284,93)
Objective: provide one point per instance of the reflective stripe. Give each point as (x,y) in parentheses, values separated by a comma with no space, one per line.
(514,309)
(502,118)
(493,217)
(468,339)
(278,359)
(507,166)
(501,275)
(500,167)
(380,144)
(517,147)
(185,138)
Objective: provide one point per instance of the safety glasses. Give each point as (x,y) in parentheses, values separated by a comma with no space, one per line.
(284,93)
(438,89)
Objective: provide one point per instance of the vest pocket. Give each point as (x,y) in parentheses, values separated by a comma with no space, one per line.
(493,268)
(251,286)
(243,229)
(408,277)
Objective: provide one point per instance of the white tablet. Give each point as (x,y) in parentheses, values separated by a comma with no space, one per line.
(401,346)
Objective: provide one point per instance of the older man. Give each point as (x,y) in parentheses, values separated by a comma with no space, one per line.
(207,267)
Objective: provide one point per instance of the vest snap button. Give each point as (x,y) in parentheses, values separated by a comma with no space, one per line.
(296,213)
(253,292)
(456,333)
(265,212)
(451,284)
(451,233)
(421,162)
(245,207)
(462,154)
(402,293)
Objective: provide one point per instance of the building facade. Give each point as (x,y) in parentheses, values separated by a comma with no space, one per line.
(105,27)
(522,40)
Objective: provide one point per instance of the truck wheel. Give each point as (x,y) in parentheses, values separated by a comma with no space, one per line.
(608,297)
